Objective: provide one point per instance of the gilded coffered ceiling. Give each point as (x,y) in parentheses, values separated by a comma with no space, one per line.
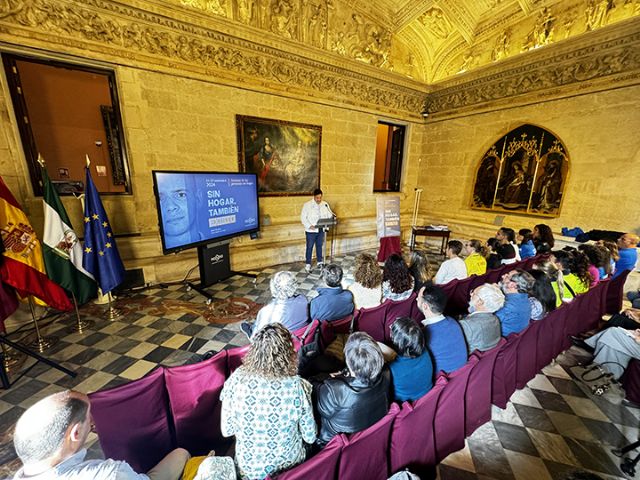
(426,40)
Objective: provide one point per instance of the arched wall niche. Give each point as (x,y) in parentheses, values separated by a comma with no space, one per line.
(524,171)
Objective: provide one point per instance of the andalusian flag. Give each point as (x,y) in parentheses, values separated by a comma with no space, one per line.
(22,266)
(101,256)
(62,249)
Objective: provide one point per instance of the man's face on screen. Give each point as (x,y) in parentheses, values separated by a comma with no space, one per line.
(174,200)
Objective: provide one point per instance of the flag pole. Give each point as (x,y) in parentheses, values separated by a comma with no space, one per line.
(40,343)
(81,325)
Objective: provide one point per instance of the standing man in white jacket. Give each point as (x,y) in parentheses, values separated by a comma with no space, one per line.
(312,212)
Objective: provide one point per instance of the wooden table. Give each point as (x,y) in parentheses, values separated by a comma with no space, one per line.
(429,232)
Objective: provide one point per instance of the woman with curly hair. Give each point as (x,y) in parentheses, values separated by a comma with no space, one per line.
(397,282)
(614,255)
(367,288)
(267,406)
(575,271)
(420,269)
(543,238)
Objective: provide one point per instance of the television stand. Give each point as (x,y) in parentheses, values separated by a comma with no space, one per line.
(215,266)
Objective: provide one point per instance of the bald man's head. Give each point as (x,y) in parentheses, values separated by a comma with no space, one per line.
(41,430)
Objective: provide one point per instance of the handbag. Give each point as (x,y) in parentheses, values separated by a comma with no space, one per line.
(308,351)
(598,382)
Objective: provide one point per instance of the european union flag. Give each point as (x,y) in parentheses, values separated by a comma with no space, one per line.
(100,257)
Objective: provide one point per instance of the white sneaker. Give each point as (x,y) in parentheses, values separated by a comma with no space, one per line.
(307,268)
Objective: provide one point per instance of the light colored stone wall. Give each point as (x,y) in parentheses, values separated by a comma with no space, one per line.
(600,132)
(172,122)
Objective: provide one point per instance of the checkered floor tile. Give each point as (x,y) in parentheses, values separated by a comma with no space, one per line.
(550,428)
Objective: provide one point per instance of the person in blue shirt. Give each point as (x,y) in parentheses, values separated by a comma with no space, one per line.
(525,237)
(628,253)
(332,302)
(412,369)
(515,314)
(443,335)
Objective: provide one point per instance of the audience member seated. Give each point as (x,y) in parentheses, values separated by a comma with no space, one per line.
(397,281)
(367,287)
(629,319)
(628,253)
(493,258)
(634,298)
(49,438)
(420,269)
(267,406)
(332,302)
(543,239)
(542,297)
(575,272)
(475,262)
(614,255)
(526,247)
(453,268)
(443,335)
(481,327)
(357,398)
(412,369)
(286,307)
(507,251)
(608,264)
(596,261)
(554,274)
(613,349)
(515,314)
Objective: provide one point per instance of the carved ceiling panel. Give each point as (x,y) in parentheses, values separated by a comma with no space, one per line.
(452,36)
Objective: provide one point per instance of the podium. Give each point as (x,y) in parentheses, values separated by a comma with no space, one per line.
(324,225)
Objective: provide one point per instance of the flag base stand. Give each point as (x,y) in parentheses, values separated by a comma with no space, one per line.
(81,325)
(112,313)
(40,343)
(11,360)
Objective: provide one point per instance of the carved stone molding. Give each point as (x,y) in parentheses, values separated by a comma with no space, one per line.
(134,35)
(612,57)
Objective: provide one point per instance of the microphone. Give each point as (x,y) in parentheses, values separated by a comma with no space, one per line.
(327,207)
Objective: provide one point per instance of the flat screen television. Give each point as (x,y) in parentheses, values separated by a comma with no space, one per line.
(197,208)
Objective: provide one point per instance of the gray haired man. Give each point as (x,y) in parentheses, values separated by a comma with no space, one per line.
(481,327)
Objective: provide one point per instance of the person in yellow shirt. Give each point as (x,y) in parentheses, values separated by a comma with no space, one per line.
(476,262)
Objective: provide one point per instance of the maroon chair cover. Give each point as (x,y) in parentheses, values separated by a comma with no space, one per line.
(234,358)
(315,324)
(371,320)
(504,371)
(194,399)
(592,307)
(449,288)
(366,454)
(560,339)
(631,381)
(412,440)
(133,421)
(493,276)
(449,420)
(458,300)
(322,466)
(476,281)
(614,293)
(576,311)
(548,345)
(478,398)
(396,310)
(527,366)
(416,314)
(328,330)
(388,246)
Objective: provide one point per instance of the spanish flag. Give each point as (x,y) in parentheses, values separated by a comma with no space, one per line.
(23,266)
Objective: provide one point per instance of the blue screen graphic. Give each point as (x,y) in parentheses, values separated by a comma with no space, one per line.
(196,208)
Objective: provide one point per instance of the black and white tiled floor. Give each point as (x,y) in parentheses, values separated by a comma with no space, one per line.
(549,428)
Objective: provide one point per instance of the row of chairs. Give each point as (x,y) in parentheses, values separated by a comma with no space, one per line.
(143,420)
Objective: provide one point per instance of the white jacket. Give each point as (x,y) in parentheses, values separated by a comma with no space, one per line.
(312,212)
